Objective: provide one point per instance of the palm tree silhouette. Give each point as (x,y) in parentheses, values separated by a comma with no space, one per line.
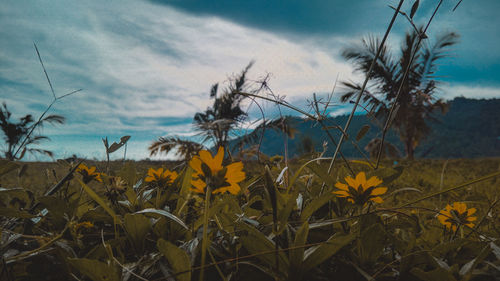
(215,123)
(417,102)
(19,137)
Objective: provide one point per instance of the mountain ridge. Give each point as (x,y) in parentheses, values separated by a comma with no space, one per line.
(469,129)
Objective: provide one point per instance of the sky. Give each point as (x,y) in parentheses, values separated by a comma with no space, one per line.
(146,67)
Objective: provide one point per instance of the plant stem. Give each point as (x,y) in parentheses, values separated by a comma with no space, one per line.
(158,196)
(205,233)
(405,76)
(358,98)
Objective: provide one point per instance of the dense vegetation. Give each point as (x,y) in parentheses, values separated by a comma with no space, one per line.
(143,223)
(469,129)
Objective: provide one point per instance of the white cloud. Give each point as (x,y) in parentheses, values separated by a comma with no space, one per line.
(138,59)
(140,63)
(472,92)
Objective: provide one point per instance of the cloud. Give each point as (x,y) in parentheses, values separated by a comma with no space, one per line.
(472,92)
(140,64)
(146,68)
(293,17)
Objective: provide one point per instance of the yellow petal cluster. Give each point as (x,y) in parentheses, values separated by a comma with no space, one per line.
(359,190)
(161,175)
(456,214)
(85,224)
(210,169)
(88,174)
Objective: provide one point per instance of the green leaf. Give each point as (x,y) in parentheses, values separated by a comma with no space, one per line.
(165,214)
(105,141)
(124,139)
(409,261)
(468,268)
(255,242)
(137,227)
(438,274)
(322,173)
(372,243)
(14,213)
(414,8)
(315,204)
(177,258)
(98,199)
(362,132)
(299,172)
(114,147)
(318,254)
(128,172)
(495,249)
(95,270)
(184,191)
(272,193)
(396,173)
(18,192)
(297,254)
(57,206)
(7,166)
(23,170)
(284,213)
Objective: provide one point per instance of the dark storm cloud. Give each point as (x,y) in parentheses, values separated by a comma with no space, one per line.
(475,59)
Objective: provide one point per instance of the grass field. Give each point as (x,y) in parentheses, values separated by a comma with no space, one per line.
(128,224)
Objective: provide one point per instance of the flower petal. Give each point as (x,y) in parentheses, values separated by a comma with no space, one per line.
(219,190)
(214,163)
(471,218)
(199,186)
(460,207)
(233,188)
(351,182)
(173,175)
(219,157)
(360,179)
(151,172)
(234,173)
(159,172)
(471,225)
(342,193)
(379,191)
(447,224)
(471,211)
(206,156)
(195,164)
(373,181)
(81,167)
(442,219)
(342,186)
(377,199)
(98,177)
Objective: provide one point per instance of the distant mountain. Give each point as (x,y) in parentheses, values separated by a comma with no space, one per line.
(470,129)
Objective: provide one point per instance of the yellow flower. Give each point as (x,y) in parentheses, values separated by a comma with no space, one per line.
(85,224)
(359,190)
(457,214)
(209,170)
(88,173)
(159,175)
